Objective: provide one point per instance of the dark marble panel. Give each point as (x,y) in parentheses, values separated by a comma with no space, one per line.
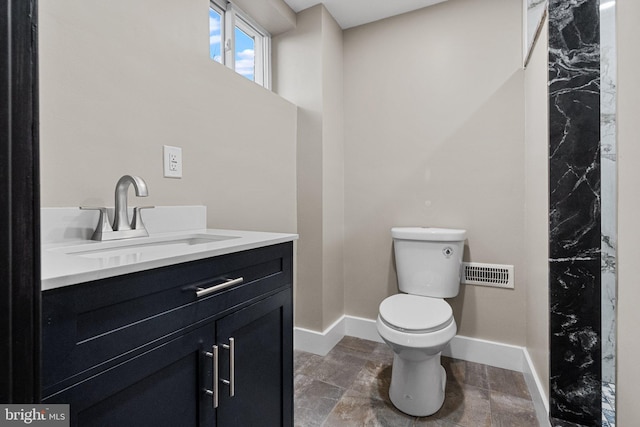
(574,143)
(575,211)
(574,216)
(556,422)
(574,25)
(575,342)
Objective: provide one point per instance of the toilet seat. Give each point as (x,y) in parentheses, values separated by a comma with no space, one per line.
(415,314)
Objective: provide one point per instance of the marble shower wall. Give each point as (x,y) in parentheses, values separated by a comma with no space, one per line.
(609,186)
(575,212)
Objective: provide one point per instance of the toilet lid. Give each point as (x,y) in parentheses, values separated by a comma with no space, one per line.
(413,313)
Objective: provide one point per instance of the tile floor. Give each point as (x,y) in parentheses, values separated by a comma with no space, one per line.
(348,387)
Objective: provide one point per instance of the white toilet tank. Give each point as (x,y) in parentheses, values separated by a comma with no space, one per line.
(428,260)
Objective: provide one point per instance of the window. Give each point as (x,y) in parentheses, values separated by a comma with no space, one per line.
(216,30)
(236,41)
(245,53)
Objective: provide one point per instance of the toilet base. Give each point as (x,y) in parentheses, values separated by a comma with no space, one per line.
(417,387)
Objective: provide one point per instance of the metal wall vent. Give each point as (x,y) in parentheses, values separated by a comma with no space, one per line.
(495,275)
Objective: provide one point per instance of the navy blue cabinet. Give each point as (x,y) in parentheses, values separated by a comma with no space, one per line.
(139,349)
(263,385)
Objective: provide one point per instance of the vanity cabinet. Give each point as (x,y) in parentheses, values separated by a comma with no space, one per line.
(139,349)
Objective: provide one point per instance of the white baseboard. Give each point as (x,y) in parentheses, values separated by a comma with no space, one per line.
(362,328)
(476,350)
(490,353)
(539,397)
(470,349)
(319,343)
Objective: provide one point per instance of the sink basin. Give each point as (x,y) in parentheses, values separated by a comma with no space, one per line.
(141,247)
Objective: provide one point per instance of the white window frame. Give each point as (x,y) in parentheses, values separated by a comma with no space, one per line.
(220,10)
(233,17)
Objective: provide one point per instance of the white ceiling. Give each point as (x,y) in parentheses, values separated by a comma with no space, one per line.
(350,13)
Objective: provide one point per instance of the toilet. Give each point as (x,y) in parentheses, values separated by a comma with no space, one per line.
(418,323)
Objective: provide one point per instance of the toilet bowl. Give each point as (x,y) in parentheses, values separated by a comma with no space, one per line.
(417,329)
(418,323)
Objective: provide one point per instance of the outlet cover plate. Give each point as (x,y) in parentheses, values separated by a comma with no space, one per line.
(172,161)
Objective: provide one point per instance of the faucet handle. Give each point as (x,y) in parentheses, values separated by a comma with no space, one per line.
(103,222)
(137,223)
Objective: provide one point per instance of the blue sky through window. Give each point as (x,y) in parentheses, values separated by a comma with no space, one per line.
(245,54)
(215,46)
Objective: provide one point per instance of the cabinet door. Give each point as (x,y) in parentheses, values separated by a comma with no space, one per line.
(161,387)
(263,364)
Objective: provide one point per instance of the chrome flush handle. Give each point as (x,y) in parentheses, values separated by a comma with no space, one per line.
(232,366)
(214,360)
(201,292)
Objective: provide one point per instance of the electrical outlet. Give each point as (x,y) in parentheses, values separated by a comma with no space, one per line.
(172,161)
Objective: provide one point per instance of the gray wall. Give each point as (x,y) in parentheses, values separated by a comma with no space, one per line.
(536,239)
(434,136)
(308,72)
(120,79)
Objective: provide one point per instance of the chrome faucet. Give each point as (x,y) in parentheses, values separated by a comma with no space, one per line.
(121,216)
(122,228)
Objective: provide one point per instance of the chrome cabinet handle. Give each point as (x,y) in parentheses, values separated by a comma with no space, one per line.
(213,393)
(200,292)
(216,374)
(232,366)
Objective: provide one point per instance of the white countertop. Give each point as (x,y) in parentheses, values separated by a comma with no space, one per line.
(74,262)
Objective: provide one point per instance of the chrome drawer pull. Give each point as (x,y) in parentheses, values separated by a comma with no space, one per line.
(213,393)
(200,292)
(232,366)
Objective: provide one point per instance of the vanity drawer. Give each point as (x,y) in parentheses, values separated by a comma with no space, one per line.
(91,326)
